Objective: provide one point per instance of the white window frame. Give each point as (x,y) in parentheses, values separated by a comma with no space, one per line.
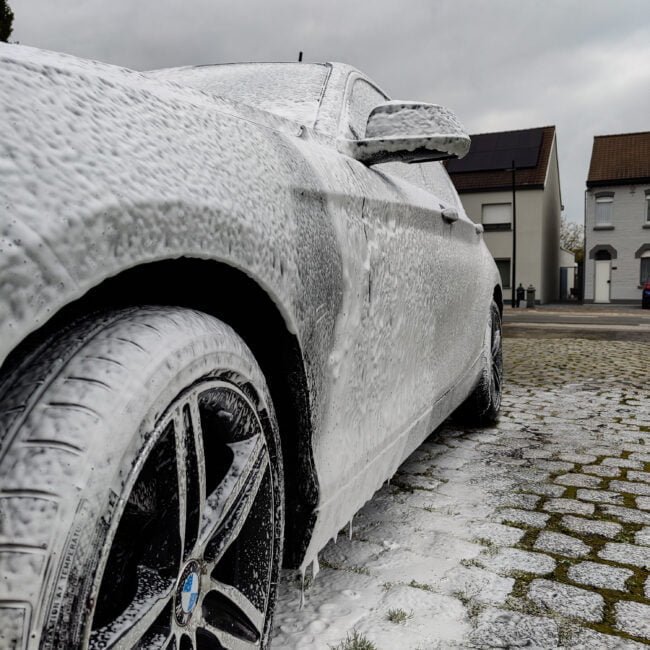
(604,199)
(504,223)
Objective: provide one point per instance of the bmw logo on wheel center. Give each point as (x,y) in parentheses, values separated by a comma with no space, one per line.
(187,592)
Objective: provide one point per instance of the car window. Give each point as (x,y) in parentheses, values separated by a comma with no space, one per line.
(411,173)
(437,180)
(362,99)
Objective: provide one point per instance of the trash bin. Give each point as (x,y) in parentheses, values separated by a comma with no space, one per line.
(521,294)
(530,296)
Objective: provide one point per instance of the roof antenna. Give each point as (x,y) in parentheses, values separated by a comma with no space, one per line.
(300,56)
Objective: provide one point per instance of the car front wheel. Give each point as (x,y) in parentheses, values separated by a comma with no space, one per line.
(141,488)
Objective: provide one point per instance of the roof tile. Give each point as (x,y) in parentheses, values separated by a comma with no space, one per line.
(619,159)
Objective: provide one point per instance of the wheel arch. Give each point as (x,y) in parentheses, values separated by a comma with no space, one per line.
(242,303)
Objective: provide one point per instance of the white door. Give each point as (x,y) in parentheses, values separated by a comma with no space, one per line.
(603,270)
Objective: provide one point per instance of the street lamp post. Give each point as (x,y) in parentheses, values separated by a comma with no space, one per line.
(513,287)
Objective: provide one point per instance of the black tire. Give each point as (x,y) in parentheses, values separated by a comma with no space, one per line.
(114,532)
(482,407)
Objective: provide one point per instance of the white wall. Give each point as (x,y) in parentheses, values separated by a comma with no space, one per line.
(529,234)
(552,209)
(538,232)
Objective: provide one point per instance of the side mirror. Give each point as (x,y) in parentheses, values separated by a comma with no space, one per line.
(409,132)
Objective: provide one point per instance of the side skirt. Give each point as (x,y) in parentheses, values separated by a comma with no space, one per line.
(340,507)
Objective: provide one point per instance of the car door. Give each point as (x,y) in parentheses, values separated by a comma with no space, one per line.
(403,332)
(421,328)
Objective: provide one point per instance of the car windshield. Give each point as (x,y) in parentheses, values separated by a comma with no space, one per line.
(290,90)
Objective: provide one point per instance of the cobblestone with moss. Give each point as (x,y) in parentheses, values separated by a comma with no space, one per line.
(592,404)
(552,503)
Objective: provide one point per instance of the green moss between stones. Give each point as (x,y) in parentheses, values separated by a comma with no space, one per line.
(528,540)
(518,599)
(571,492)
(628,534)
(490,547)
(472,607)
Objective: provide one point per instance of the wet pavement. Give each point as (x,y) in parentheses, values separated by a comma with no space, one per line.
(534,533)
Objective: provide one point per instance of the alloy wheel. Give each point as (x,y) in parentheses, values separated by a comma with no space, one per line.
(191,563)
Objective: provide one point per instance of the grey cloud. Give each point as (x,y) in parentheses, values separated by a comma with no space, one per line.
(579,64)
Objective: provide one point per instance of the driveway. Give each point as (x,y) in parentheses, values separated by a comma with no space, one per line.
(534,533)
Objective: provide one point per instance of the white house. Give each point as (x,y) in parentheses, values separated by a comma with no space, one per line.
(484,180)
(617,218)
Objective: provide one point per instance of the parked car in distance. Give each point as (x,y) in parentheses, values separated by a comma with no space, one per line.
(234,298)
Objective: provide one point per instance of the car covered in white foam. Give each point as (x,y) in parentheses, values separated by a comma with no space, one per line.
(233,299)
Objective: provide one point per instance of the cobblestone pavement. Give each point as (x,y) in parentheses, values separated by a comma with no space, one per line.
(534,533)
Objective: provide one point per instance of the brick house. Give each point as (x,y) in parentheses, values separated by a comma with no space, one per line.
(617,218)
(484,182)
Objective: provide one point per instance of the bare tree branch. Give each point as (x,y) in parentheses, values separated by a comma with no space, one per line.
(571,236)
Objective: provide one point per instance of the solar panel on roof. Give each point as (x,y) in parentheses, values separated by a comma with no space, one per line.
(496,151)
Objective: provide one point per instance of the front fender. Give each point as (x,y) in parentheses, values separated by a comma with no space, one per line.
(102,169)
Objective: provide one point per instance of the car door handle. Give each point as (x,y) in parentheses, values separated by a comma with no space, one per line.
(450,215)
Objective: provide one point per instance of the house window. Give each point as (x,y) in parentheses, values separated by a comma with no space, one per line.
(496,216)
(604,204)
(645,267)
(504,269)
(647,206)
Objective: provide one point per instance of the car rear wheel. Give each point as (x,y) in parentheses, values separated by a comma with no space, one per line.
(141,485)
(482,407)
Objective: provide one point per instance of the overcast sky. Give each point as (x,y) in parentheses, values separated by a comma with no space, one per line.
(582,65)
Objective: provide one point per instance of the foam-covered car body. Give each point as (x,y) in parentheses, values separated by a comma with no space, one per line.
(104,170)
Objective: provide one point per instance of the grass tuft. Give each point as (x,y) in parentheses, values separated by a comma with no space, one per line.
(398,615)
(355,641)
(361,570)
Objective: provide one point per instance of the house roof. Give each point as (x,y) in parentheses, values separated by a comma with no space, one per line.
(620,159)
(490,157)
